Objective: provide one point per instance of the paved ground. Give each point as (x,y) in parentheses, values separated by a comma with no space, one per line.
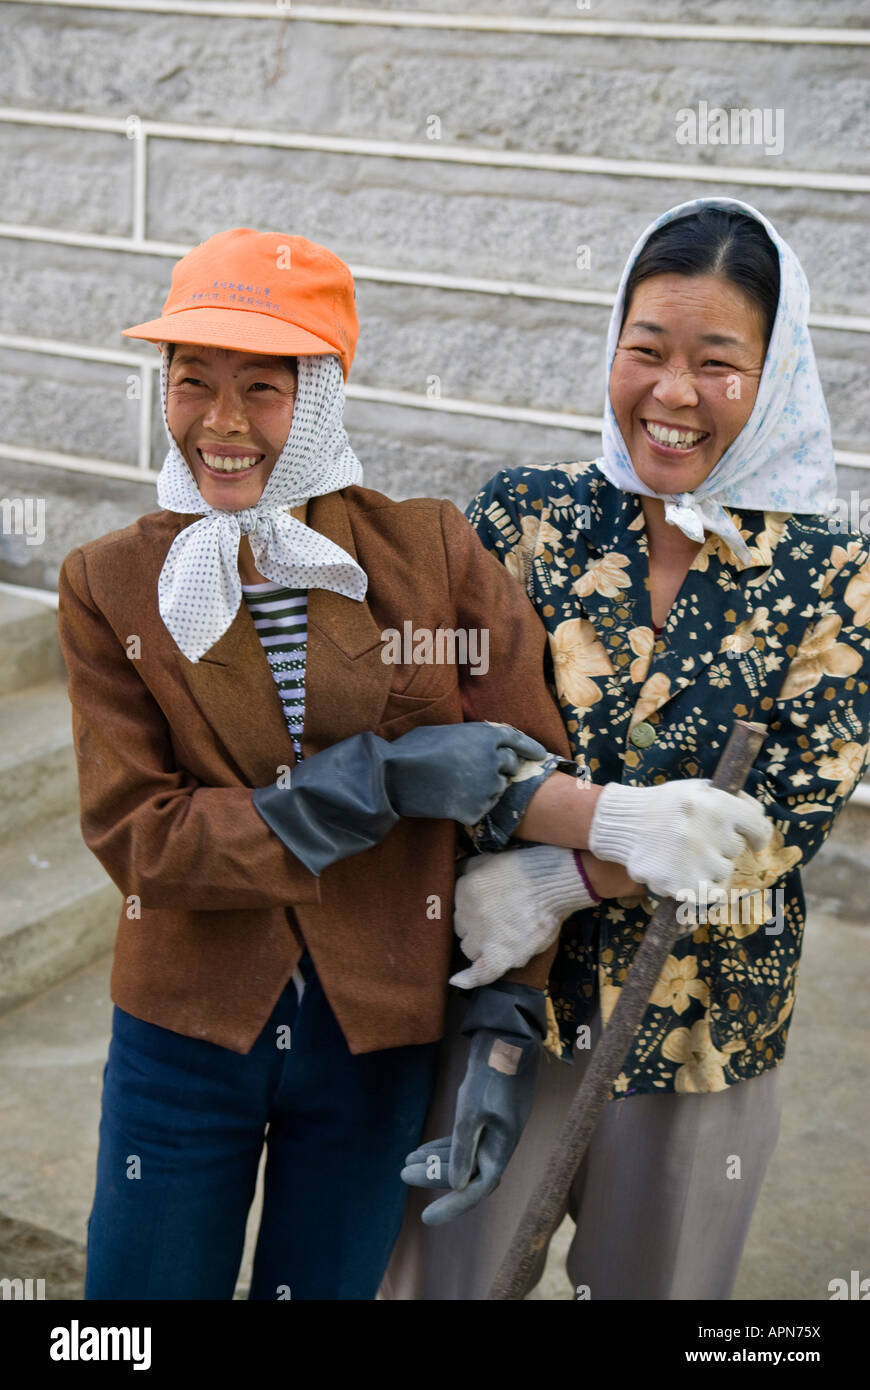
(810,1227)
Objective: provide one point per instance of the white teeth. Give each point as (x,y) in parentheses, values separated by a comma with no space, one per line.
(229,465)
(679,439)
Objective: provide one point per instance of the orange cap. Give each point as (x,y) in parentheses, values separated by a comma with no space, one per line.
(259,292)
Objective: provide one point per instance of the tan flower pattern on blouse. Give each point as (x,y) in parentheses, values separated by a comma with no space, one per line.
(845,767)
(748,903)
(820,654)
(753,871)
(701,1065)
(577,656)
(641,640)
(769,538)
(716,548)
(840,555)
(654,693)
(607,576)
(678,984)
(742,639)
(537,535)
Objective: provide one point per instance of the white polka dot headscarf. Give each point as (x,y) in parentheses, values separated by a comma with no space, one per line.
(199,590)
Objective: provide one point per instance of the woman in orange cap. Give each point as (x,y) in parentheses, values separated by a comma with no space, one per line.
(242,736)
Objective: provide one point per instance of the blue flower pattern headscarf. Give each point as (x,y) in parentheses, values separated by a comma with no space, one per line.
(783,458)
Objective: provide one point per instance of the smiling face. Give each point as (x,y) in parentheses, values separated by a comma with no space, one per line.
(230,414)
(685,376)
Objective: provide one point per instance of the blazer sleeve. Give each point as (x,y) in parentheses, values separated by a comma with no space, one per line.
(486,597)
(158,833)
(514,688)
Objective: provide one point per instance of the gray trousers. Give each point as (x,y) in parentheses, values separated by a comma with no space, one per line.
(662,1200)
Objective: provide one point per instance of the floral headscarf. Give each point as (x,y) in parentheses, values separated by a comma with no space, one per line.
(783,458)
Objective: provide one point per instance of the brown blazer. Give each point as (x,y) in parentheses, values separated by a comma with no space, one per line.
(168,751)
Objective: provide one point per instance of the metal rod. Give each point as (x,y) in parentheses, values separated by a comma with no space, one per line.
(667,31)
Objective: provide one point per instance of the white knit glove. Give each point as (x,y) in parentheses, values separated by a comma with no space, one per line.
(673,836)
(510,906)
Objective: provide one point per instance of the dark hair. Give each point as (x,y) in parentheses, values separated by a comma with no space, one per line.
(713,241)
(289,362)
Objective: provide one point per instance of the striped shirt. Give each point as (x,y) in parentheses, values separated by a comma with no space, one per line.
(280,619)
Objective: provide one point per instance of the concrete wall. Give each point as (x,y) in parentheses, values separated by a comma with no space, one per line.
(613,98)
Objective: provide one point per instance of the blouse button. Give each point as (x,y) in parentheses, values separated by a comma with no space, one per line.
(642,735)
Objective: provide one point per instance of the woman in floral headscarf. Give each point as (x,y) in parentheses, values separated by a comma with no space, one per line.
(687,577)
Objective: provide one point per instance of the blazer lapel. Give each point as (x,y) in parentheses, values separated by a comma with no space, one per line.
(346,683)
(236,691)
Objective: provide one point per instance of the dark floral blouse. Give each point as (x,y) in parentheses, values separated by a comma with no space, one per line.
(783,640)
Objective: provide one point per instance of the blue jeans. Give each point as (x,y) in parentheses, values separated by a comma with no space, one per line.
(182,1130)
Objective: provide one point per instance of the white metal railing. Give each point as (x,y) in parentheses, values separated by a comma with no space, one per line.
(385,275)
(759,177)
(283,10)
(140,131)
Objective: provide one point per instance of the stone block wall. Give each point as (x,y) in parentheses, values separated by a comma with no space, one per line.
(503,95)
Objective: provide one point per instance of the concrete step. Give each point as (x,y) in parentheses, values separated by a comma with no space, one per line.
(37,759)
(59,908)
(29,650)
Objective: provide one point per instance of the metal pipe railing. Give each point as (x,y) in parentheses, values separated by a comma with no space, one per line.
(666,31)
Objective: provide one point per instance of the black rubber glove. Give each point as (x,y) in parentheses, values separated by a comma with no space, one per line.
(348,797)
(508,1024)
